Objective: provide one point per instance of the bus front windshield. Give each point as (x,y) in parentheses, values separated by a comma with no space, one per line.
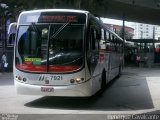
(50,47)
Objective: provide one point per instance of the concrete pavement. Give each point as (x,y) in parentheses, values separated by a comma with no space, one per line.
(135,92)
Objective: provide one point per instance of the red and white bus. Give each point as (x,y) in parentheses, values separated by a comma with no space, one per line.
(61,52)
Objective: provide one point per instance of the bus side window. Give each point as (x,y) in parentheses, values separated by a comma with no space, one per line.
(93,39)
(98,38)
(102,42)
(111,48)
(108,47)
(110,37)
(115,44)
(107,37)
(103,34)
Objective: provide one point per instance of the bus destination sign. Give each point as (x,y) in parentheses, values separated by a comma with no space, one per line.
(58,18)
(53,17)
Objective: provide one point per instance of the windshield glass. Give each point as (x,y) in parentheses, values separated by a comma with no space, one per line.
(50,47)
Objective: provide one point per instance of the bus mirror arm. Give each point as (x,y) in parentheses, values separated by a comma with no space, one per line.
(12,28)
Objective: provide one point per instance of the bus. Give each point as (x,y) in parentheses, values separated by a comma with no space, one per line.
(64,52)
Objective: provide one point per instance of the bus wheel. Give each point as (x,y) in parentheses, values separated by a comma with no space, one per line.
(120,70)
(103,83)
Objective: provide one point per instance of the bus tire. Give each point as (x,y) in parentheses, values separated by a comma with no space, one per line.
(120,70)
(103,79)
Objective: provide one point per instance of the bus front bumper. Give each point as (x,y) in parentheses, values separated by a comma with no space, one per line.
(78,90)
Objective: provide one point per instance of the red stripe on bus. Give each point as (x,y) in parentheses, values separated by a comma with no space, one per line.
(43,68)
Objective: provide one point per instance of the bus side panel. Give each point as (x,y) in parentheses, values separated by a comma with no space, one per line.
(107,66)
(114,65)
(99,63)
(104,63)
(93,67)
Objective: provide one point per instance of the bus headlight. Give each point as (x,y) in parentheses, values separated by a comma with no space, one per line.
(77,80)
(19,78)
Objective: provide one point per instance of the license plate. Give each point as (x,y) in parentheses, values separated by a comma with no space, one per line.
(50,78)
(46,89)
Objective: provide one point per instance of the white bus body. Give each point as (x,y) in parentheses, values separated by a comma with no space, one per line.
(60,52)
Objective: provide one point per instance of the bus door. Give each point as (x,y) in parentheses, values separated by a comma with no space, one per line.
(93,53)
(107,65)
(108,61)
(108,50)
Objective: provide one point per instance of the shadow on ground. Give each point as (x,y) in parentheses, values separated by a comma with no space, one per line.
(129,92)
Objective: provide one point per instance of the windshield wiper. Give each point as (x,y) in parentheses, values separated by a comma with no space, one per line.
(59,30)
(72,61)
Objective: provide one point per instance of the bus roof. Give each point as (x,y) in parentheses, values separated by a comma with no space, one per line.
(68,10)
(56,10)
(52,15)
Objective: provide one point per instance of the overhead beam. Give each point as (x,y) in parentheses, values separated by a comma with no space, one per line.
(134,9)
(133,12)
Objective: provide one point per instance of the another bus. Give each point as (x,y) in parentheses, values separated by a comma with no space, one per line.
(61,52)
